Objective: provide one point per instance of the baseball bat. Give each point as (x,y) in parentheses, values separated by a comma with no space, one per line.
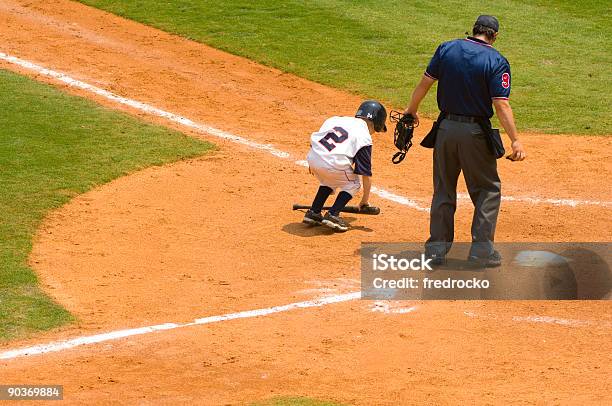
(347,209)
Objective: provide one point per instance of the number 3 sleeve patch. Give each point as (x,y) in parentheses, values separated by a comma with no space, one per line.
(506,80)
(500,82)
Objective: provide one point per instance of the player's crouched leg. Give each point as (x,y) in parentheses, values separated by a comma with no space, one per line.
(314,216)
(330,179)
(332,218)
(349,187)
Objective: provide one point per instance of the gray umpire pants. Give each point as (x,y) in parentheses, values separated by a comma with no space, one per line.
(463,147)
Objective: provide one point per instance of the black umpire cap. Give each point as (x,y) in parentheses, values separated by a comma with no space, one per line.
(488,21)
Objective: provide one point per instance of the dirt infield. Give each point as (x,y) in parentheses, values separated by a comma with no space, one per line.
(215,235)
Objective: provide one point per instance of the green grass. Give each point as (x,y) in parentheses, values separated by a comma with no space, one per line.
(53,147)
(301,401)
(559,50)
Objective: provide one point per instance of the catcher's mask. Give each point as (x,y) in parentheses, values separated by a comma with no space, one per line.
(373,110)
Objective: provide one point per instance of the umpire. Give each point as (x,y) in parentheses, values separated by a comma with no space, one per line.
(473,78)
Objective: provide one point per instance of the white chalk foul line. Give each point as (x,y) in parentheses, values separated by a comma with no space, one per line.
(118,334)
(146,108)
(203,128)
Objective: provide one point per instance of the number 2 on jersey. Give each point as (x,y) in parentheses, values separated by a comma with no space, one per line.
(337,136)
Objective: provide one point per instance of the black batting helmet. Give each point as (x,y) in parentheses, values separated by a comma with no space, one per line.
(373,110)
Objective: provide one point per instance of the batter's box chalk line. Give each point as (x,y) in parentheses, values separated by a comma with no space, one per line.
(392,307)
(540,319)
(206,129)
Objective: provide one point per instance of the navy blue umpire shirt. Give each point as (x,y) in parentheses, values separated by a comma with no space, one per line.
(471,73)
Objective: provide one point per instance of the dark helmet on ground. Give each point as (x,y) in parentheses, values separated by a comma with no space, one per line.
(373,110)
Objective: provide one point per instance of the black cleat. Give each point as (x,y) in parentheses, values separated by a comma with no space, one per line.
(335,222)
(492,261)
(312,218)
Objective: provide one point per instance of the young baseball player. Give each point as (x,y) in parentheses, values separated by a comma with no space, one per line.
(340,152)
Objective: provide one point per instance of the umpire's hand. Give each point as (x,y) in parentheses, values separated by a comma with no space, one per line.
(518,152)
(506,119)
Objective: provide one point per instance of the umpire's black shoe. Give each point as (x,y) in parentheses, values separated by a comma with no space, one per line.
(436,259)
(312,218)
(492,261)
(335,222)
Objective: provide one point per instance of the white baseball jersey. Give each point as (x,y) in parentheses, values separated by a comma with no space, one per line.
(338,141)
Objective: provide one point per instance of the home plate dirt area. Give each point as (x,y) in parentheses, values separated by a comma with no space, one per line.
(216,235)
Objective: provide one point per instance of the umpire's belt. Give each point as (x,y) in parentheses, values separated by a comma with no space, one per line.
(461,119)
